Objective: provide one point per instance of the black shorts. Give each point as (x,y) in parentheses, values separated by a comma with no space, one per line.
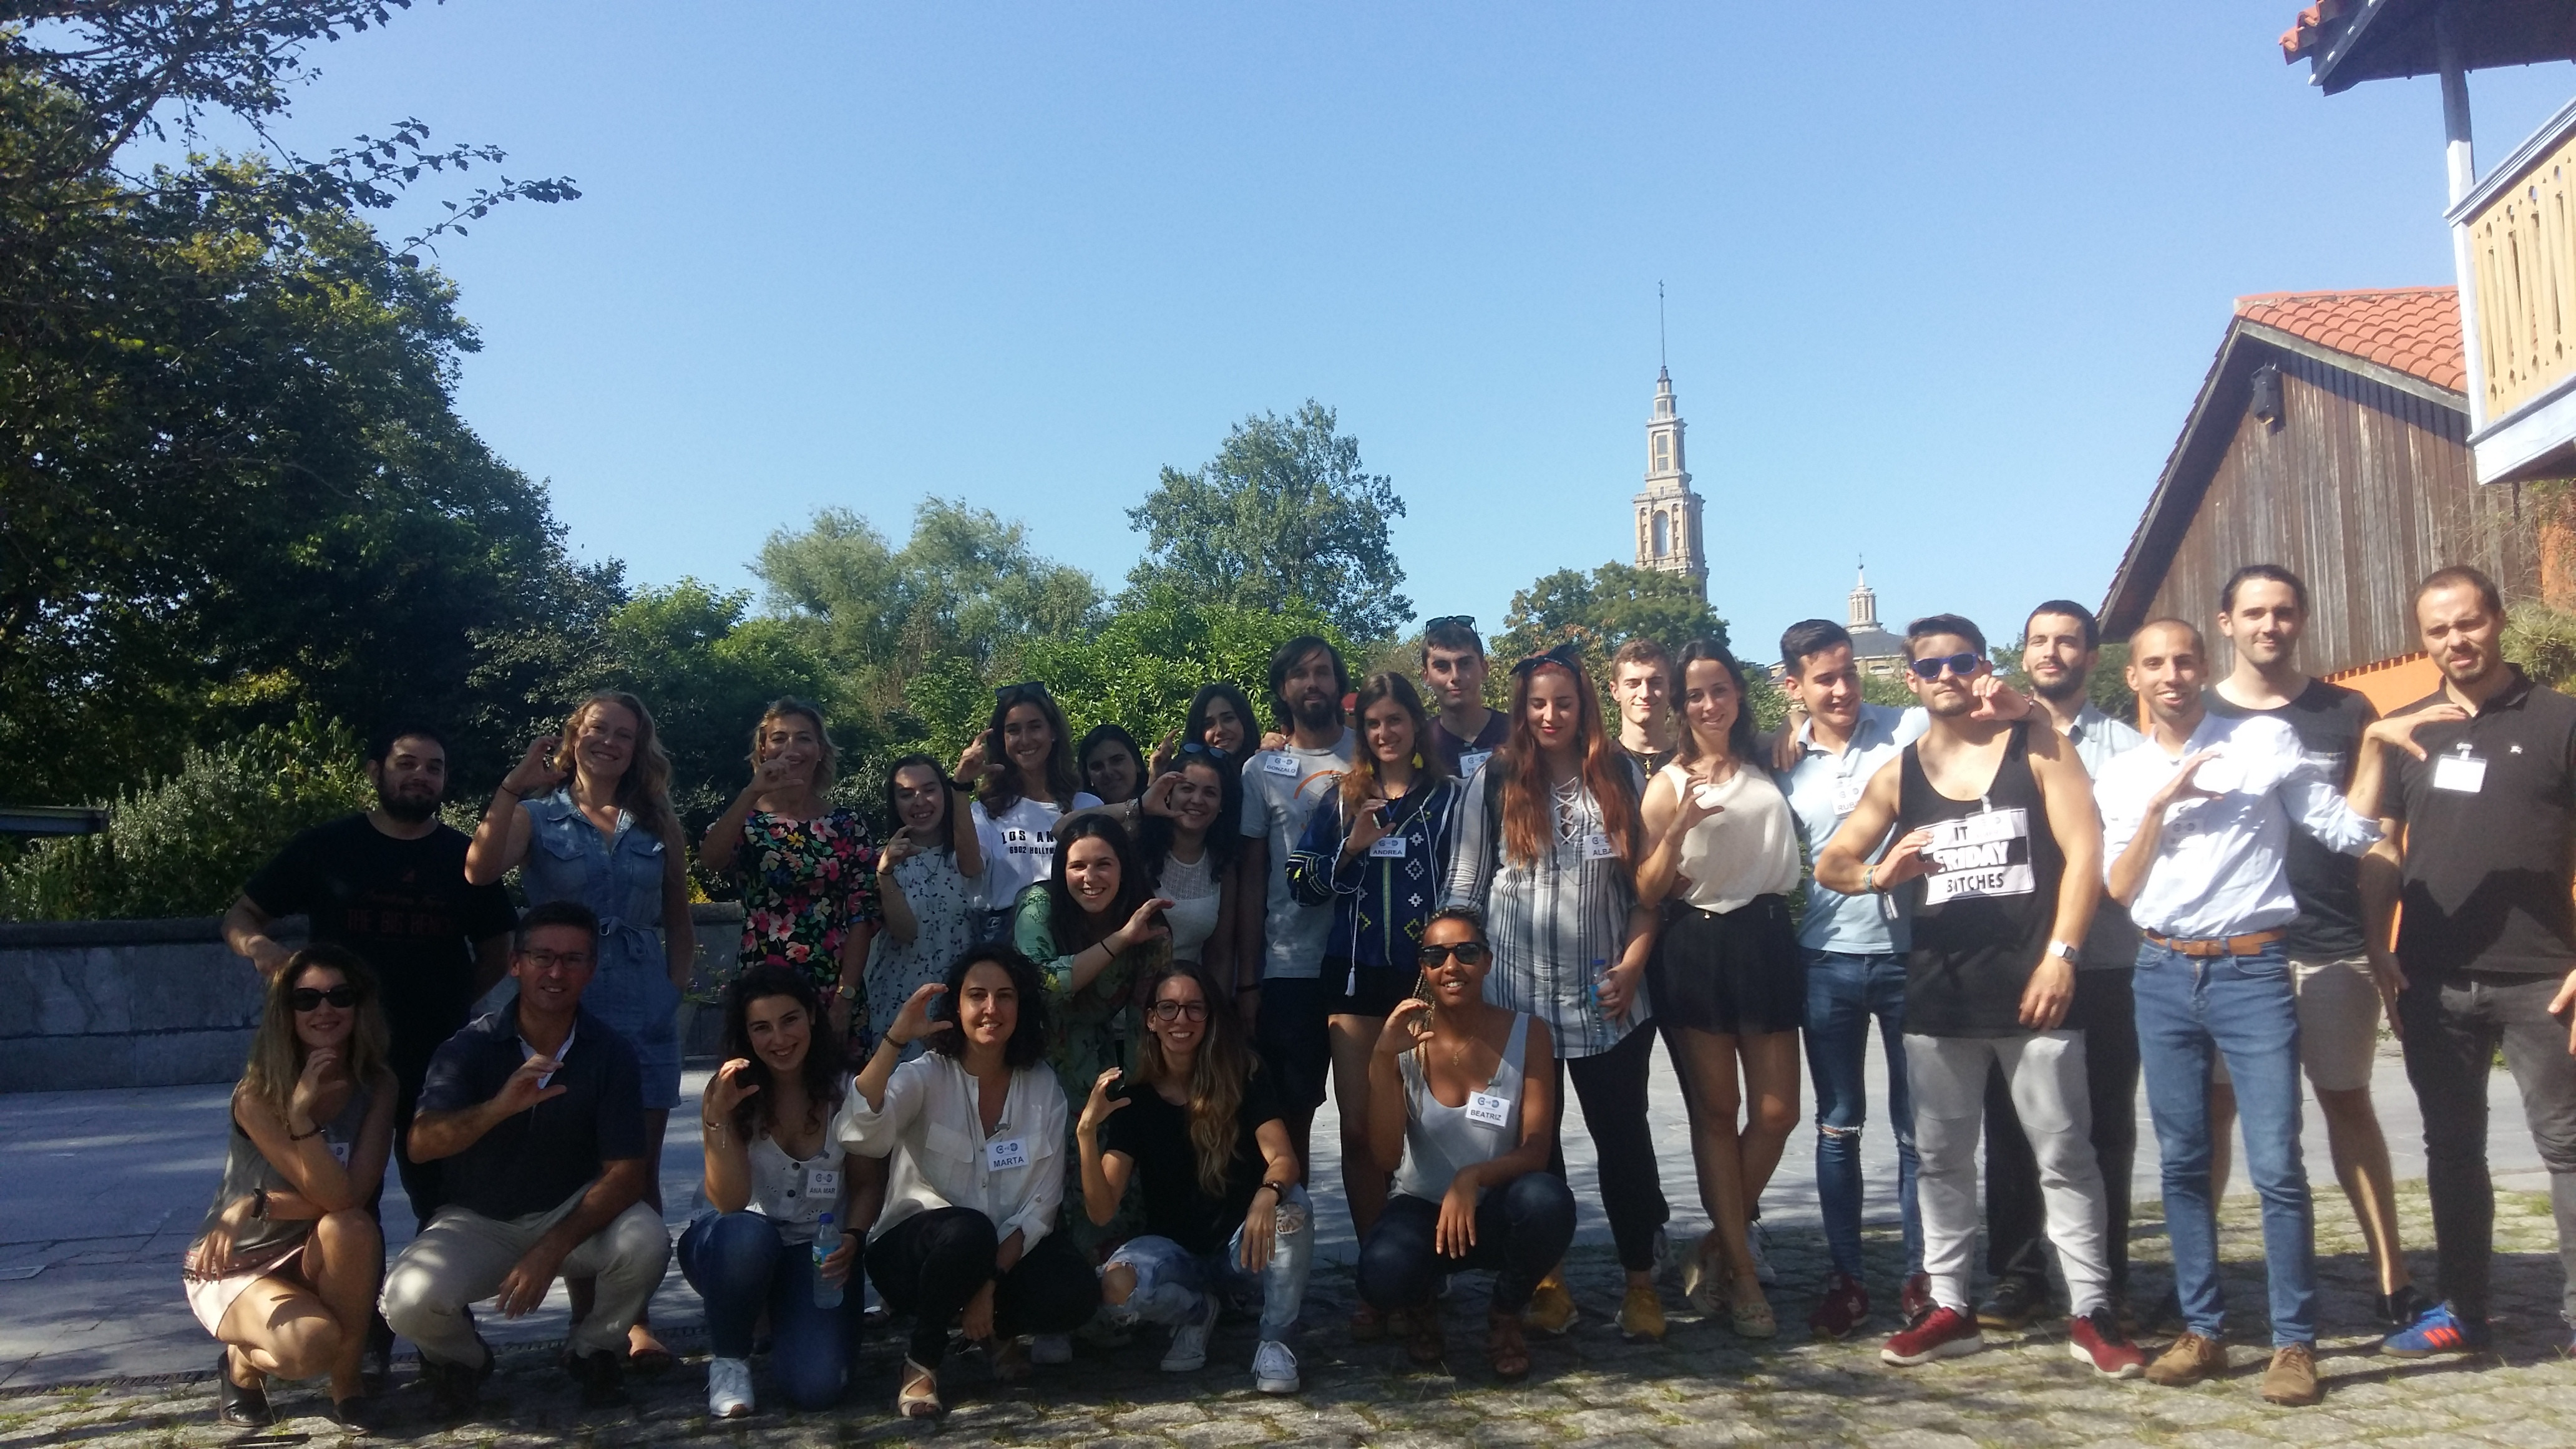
(1736,974)
(1374,993)
(1295,1041)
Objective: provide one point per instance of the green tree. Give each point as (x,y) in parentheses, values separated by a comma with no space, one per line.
(1283,515)
(1604,609)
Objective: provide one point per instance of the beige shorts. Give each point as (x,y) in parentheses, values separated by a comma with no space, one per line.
(2338,1022)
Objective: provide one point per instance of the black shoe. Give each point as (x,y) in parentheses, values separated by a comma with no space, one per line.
(376,1360)
(2401,1308)
(601,1376)
(245,1408)
(357,1415)
(454,1389)
(2016,1301)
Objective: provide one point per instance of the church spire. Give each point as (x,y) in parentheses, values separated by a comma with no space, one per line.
(1668,512)
(1864,603)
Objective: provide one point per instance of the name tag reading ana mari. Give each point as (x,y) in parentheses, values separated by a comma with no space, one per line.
(1986,854)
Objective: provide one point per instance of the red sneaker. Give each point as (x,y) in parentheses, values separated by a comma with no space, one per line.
(1914,1301)
(1845,1307)
(2096,1339)
(1946,1333)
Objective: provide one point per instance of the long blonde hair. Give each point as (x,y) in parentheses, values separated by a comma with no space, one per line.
(644,791)
(277,1053)
(1217,1078)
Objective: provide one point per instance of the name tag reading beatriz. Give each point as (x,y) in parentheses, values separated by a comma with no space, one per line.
(1488,1109)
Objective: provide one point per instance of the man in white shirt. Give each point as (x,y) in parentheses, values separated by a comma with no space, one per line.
(2195,835)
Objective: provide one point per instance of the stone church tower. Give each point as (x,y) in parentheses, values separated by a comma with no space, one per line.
(1668,531)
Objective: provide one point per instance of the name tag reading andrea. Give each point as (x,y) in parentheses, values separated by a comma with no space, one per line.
(1488,1110)
(1280,764)
(1596,846)
(2463,772)
(1986,854)
(1388,848)
(1006,1154)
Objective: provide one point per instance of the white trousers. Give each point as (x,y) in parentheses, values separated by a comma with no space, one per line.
(2046,1073)
(462,1256)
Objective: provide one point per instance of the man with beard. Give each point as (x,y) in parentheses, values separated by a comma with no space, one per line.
(1284,942)
(2060,647)
(2262,611)
(390,885)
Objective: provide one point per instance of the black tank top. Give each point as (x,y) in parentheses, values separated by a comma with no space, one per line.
(1986,901)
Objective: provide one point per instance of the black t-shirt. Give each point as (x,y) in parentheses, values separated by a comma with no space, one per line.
(2485,886)
(1986,901)
(534,1161)
(2328,719)
(405,906)
(1156,1135)
(1447,747)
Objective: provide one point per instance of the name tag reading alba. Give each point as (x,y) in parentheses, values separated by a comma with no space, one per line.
(1596,846)
(2464,773)
(1986,854)
(1470,760)
(1389,848)
(1488,1110)
(1280,764)
(1007,1154)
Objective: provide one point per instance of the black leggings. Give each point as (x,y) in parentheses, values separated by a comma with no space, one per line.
(1612,1089)
(933,1264)
(1522,1229)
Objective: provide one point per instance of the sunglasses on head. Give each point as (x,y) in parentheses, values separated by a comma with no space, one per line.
(1469,953)
(1563,654)
(1962,665)
(1463,621)
(310,998)
(1025,688)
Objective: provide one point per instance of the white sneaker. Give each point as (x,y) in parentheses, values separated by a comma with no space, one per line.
(1051,1349)
(1189,1341)
(1274,1368)
(1760,1242)
(729,1388)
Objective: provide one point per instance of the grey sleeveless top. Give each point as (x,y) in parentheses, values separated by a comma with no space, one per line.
(246,1171)
(1440,1140)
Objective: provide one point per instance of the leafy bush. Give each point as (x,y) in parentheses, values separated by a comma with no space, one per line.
(183,846)
(2543,641)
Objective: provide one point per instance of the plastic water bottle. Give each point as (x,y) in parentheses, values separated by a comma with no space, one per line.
(826,1294)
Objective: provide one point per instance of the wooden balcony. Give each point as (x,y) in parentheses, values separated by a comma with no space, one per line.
(2520,228)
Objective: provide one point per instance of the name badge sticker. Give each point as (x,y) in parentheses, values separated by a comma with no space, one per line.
(1847,792)
(999,1156)
(1280,764)
(340,1153)
(1596,846)
(2463,772)
(823,1184)
(1470,761)
(1488,1110)
(1389,847)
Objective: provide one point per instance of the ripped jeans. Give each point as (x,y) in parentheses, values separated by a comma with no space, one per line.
(1174,1284)
(1847,995)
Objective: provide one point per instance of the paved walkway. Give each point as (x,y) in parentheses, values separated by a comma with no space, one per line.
(107,1188)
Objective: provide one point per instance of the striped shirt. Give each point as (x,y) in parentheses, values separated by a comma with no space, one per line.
(1557,924)
(1380,901)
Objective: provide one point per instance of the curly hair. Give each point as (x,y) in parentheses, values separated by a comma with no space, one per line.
(824,1072)
(1027,1046)
(644,791)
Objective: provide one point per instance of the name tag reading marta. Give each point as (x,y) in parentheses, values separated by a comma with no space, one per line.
(1987,854)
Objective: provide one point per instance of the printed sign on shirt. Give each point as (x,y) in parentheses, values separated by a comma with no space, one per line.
(1986,854)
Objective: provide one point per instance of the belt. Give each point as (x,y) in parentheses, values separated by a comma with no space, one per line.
(2246,945)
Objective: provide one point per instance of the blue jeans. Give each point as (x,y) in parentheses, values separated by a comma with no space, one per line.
(740,1265)
(2190,1008)
(1845,993)
(1173,1284)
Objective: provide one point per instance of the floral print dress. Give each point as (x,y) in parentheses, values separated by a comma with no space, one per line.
(805,885)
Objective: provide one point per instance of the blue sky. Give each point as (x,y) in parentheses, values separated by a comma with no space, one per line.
(1942,279)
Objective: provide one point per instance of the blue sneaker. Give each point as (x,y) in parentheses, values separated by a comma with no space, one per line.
(2436,1330)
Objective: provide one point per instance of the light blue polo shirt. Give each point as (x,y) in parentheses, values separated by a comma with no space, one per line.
(1822,788)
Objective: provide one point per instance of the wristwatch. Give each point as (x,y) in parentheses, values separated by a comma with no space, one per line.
(2066,949)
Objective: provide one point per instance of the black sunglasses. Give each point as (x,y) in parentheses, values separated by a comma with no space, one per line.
(1025,687)
(1213,752)
(1463,621)
(1962,665)
(1469,953)
(310,998)
(1565,654)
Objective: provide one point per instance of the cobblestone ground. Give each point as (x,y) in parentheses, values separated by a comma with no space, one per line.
(1701,1386)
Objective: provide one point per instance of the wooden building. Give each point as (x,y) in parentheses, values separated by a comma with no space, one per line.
(2330,436)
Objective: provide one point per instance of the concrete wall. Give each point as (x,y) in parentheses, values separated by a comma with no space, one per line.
(87,1004)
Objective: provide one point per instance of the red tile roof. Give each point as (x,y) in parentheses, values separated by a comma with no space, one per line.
(2415,330)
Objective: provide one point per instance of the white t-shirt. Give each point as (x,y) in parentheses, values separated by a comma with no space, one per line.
(1280,789)
(1019,846)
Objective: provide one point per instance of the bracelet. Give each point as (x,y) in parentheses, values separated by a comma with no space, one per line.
(294,1136)
(715,1127)
(1275,1189)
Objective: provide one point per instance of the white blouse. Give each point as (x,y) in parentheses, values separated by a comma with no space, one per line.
(1749,850)
(942,1157)
(790,1193)
(1195,894)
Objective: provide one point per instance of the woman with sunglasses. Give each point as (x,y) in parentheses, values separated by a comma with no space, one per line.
(1370,846)
(1462,1097)
(1112,767)
(929,883)
(284,1271)
(1545,849)
(1198,1128)
(1730,991)
(1023,774)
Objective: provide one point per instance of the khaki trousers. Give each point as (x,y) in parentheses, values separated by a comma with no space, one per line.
(462,1256)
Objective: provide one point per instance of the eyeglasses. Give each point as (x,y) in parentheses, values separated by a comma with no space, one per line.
(1962,665)
(310,998)
(1469,953)
(1463,621)
(1175,1010)
(549,960)
(1566,655)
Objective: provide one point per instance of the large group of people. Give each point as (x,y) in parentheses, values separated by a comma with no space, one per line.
(1042,1063)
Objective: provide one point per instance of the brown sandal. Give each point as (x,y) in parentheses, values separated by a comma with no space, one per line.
(1506,1349)
(1424,1344)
